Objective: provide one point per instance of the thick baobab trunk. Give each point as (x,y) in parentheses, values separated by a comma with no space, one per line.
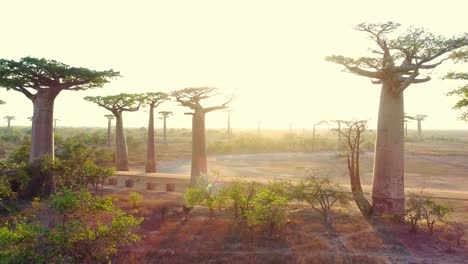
(8,123)
(199,162)
(121,144)
(42,141)
(150,149)
(419,130)
(388,181)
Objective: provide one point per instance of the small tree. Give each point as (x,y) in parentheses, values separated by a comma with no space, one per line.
(191,98)
(135,197)
(422,207)
(322,195)
(117,104)
(353,132)
(153,100)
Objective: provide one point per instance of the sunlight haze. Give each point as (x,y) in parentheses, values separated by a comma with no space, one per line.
(268,54)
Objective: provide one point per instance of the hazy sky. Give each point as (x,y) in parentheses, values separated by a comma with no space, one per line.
(269,54)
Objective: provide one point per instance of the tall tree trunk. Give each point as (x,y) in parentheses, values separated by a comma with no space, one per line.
(109,128)
(8,123)
(406,129)
(150,149)
(388,180)
(121,144)
(42,141)
(199,160)
(165,131)
(419,130)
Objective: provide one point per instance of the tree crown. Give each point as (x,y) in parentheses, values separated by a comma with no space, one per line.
(155,98)
(191,97)
(399,60)
(29,75)
(118,103)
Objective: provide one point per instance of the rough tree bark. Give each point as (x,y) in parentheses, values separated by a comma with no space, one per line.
(121,162)
(151,150)
(388,183)
(199,158)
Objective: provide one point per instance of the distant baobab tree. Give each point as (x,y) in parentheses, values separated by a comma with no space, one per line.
(109,130)
(55,122)
(8,119)
(153,100)
(41,81)
(396,63)
(259,123)
(338,130)
(117,104)
(165,115)
(406,120)
(191,98)
(420,118)
(229,131)
(318,124)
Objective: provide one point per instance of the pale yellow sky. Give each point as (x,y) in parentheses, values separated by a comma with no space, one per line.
(269,54)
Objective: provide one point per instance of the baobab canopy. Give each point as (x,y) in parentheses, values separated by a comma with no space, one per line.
(37,74)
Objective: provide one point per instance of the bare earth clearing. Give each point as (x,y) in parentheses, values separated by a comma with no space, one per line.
(223,239)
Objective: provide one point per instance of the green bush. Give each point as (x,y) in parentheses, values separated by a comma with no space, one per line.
(90,230)
(268,209)
(422,207)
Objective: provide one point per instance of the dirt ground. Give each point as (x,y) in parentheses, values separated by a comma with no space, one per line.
(304,239)
(352,239)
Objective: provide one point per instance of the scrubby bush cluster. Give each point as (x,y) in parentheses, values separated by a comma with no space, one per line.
(70,227)
(76,166)
(421,207)
(265,204)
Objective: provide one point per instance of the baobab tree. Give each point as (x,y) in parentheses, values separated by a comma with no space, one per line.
(353,132)
(153,100)
(8,119)
(396,64)
(55,122)
(229,132)
(165,115)
(338,130)
(406,120)
(420,118)
(41,81)
(117,104)
(191,98)
(317,124)
(109,130)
